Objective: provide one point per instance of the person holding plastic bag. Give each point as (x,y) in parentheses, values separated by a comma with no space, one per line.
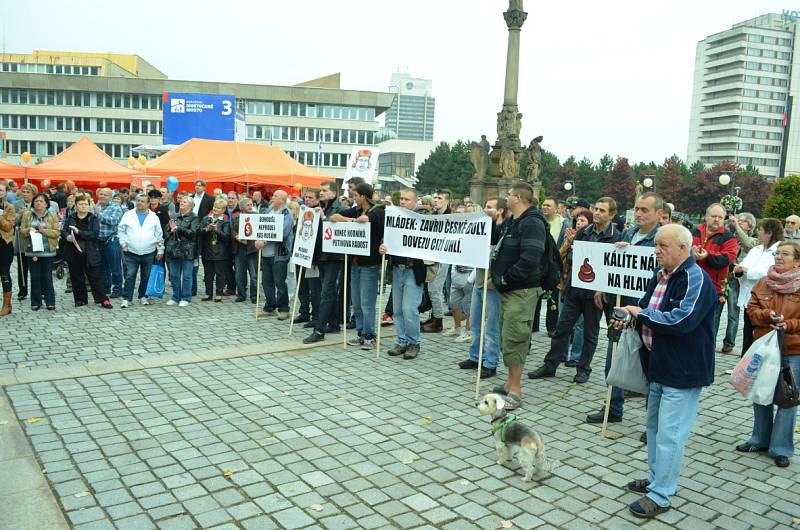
(775,304)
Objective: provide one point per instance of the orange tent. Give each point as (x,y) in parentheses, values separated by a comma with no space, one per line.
(223,162)
(11,171)
(83,163)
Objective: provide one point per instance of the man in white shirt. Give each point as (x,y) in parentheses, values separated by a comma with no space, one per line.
(141,239)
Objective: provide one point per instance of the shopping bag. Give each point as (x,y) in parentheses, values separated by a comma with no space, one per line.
(756,374)
(626,368)
(155,284)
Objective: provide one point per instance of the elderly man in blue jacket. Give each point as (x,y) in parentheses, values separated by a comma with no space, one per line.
(676,321)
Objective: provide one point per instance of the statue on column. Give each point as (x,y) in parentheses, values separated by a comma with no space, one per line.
(479,156)
(534,160)
(509,160)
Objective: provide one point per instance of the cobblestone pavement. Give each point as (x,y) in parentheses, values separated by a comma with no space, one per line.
(333,438)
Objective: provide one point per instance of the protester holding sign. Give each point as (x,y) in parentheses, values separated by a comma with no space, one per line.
(580,302)
(308,291)
(275,260)
(649,207)
(328,318)
(441,203)
(408,278)
(246,256)
(516,269)
(365,270)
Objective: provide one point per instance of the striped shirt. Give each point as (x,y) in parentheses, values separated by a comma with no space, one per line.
(109,220)
(655,301)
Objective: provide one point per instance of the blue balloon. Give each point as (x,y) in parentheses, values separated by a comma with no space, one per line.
(172,184)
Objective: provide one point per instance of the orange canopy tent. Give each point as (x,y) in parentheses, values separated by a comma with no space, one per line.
(83,163)
(224,162)
(11,171)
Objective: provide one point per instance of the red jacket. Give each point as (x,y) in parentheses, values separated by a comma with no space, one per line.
(722,247)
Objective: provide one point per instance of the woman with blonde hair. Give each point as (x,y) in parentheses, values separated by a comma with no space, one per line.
(39,234)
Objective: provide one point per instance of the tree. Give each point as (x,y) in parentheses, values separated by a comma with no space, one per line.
(755,190)
(620,184)
(670,179)
(704,189)
(785,199)
(587,180)
(447,167)
(560,176)
(696,168)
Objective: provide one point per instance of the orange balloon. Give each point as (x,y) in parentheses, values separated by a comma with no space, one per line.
(298,186)
(45,184)
(143,160)
(26,157)
(103,184)
(131,161)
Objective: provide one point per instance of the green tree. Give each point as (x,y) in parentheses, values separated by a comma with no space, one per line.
(754,190)
(447,167)
(620,185)
(704,189)
(696,168)
(588,182)
(785,199)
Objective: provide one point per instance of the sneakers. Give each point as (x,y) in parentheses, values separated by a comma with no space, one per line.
(124,304)
(144,301)
(387,320)
(183,303)
(466,336)
(452,332)
(486,373)
(397,350)
(411,352)
(369,344)
(581,377)
(468,364)
(171,302)
(356,341)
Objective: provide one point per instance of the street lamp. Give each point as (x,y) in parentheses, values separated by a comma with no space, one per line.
(731,202)
(570,185)
(649,182)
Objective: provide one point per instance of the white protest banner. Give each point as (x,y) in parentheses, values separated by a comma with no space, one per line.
(604,267)
(261,227)
(306,238)
(363,162)
(459,239)
(345,238)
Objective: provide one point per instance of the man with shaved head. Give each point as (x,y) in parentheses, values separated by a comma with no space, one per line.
(275,260)
(109,214)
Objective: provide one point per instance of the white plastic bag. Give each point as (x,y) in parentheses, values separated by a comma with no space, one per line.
(626,367)
(756,374)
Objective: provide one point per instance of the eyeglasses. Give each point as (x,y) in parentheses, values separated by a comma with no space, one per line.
(790,222)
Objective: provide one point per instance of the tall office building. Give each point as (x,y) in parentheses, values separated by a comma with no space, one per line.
(48,100)
(411,115)
(745,79)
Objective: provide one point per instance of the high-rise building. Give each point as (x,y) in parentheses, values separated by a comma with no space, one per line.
(48,100)
(745,79)
(411,115)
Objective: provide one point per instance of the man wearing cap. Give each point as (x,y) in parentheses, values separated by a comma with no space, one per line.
(275,261)
(792,227)
(365,270)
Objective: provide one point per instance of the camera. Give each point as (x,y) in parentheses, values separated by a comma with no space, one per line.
(620,315)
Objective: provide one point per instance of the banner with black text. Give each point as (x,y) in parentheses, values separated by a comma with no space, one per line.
(607,268)
(345,238)
(261,226)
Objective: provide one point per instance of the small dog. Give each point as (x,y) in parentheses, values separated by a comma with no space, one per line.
(509,433)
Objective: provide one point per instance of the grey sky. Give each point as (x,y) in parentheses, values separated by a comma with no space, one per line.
(596,77)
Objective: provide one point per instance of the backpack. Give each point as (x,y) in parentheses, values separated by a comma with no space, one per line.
(552,267)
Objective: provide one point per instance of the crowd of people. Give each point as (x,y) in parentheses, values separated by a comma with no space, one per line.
(729,259)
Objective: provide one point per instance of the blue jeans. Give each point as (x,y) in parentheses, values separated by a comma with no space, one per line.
(329,312)
(41,272)
(111,266)
(776,429)
(364,293)
(180,276)
(733,313)
(491,343)
(273,282)
(246,264)
(577,342)
(670,416)
(134,262)
(194,277)
(406,297)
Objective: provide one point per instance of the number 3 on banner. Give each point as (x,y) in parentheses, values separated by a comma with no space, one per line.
(226,107)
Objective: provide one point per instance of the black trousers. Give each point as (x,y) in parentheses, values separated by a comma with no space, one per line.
(329,312)
(575,304)
(78,273)
(22,276)
(214,269)
(551,315)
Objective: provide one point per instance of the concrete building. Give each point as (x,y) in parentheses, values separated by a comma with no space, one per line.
(744,79)
(399,161)
(411,115)
(50,99)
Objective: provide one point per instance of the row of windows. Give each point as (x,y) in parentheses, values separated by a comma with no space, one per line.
(766,67)
(768,162)
(310,134)
(763,94)
(760,148)
(79,99)
(766,39)
(309,158)
(17,147)
(761,135)
(768,54)
(69,123)
(310,110)
(753,120)
(769,81)
(761,107)
(64,69)
(117,150)
(128,101)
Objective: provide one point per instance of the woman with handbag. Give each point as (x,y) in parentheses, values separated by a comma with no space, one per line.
(181,249)
(775,304)
(39,235)
(82,253)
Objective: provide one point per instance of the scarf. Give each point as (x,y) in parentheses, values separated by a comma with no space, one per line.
(783,282)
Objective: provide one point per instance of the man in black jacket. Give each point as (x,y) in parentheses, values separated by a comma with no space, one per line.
(577,302)
(516,270)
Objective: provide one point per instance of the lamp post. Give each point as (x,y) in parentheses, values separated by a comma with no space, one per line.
(731,202)
(649,182)
(570,185)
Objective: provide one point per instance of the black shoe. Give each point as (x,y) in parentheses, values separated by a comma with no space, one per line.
(301,319)
(581,377)
(571,364)
(541,373)
(22,296)
(782,461)
(252,300)
(749,448)
(314,337)
(643,437)
(637,486)
(308,324)
(411,352)
(597,417)
(207,298)
(469,364)
(351,325)
(35,307)
(115,295)
(240,299)
(397,350)
(488,372)
(330,328)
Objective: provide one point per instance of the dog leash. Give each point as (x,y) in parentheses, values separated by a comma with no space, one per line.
(559,398)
